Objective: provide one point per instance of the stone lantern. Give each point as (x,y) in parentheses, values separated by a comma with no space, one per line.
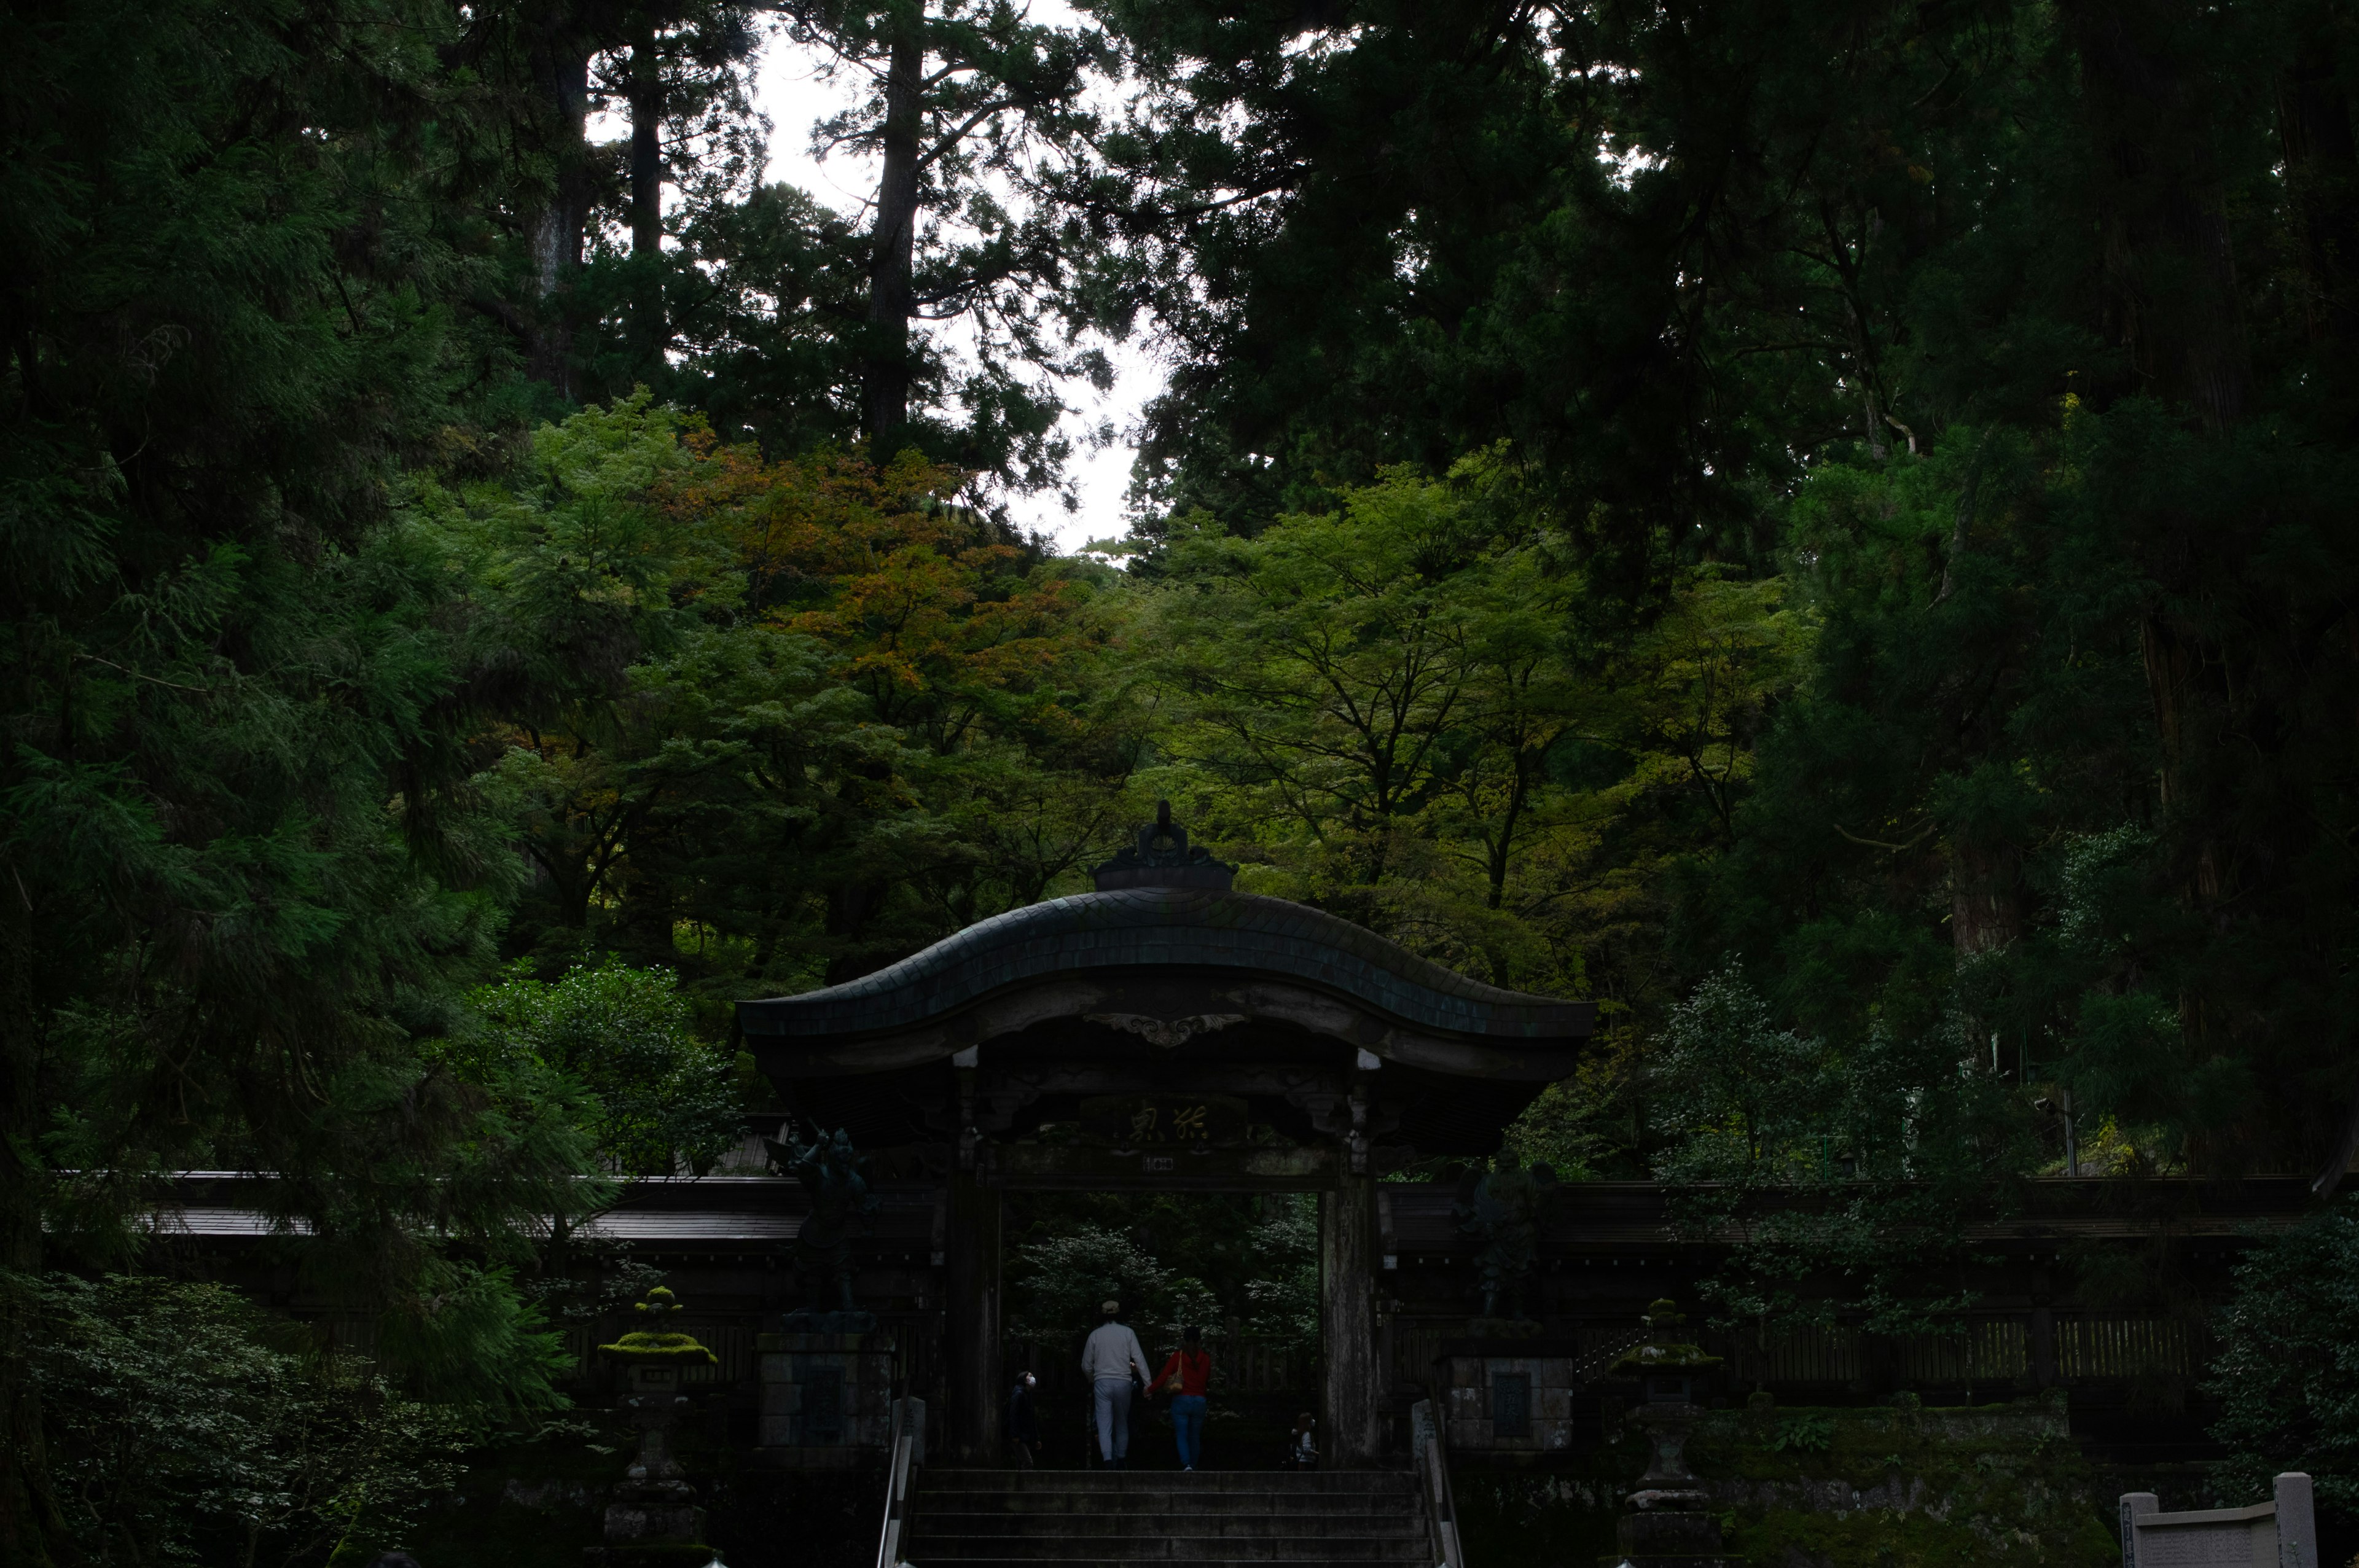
(1668,1522)
(653,1518)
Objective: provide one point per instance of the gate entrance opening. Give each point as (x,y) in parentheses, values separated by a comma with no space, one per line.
(1164,1034)
(1241,1268)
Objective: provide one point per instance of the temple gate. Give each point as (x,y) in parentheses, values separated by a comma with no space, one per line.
(1171,1033)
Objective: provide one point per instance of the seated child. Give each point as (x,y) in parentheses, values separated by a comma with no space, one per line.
(1301,1449)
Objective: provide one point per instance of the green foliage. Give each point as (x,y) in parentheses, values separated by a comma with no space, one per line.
(2287,1376)
(1847,1177)
(1254,1259)
(1063,1279)
(1412,710)
(1324,662)
(1803,1434)
(1842,517)
(183,1426)
(800,717)
(2022,359)
(249,880)
(470,1338)
(1282,1293)
(656,1097)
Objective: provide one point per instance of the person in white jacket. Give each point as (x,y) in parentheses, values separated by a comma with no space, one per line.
(1115,1363)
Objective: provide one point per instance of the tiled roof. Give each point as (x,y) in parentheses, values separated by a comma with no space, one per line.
(1177,929)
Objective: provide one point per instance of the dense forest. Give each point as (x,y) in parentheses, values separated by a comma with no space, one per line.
(1826,529)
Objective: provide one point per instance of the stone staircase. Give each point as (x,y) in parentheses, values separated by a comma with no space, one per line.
(1169,1518)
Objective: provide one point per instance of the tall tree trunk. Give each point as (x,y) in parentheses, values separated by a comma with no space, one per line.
(1985,915)
(2171,272)
(2322,177)
(560,66)
(885,373)
(648,335)
(2173,302)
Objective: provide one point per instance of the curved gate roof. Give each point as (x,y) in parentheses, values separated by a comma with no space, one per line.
(1170,929)
(1166,930)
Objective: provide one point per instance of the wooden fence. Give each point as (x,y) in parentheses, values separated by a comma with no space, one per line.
(2090,1347)
(1991,1351)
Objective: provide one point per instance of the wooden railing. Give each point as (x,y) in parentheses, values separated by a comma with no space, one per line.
(1429,1454)
(908,1452)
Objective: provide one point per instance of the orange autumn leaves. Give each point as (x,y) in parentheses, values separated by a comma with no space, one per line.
(935,609)
(779,718)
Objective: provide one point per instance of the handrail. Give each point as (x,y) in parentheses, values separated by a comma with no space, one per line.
(1432,1463)
(908,1450)
(1585,1371)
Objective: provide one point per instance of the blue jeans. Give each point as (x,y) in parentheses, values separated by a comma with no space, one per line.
(1187,1425)
(1113,1417)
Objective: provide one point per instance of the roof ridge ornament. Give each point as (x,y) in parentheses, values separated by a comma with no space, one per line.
(1164,858)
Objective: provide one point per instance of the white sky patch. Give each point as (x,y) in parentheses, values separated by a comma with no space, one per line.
(791,87)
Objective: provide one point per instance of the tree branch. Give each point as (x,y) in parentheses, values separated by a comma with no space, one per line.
(1915,839)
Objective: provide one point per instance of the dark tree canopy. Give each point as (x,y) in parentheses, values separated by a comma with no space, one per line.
(1825,529)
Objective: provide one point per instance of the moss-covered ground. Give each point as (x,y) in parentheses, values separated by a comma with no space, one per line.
(1877,1487)
(538,1504)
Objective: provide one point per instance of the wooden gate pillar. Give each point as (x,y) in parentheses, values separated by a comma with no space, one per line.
(971,1331)
(1347,1323)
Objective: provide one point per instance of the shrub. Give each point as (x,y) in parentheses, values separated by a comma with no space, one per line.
(185,1424)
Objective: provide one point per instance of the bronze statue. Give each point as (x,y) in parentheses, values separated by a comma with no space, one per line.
(834,1176)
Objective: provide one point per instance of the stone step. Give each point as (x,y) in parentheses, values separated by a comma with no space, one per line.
(1143,1515)
(1208,1503)
(1289,1548)
(1162,1562)
(1057,1518)
(1145,1522)
(990,1541)
(1291,1482)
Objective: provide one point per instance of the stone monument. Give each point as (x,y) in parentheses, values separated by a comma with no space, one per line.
(654,1521)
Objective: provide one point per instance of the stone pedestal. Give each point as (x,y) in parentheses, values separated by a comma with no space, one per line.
(1675,1539)
(1667,1483)
(826,1399)
(653,1518)
(1510,1403)
(1669,1524)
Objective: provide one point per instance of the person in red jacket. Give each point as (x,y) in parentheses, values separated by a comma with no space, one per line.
(1185,1377)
